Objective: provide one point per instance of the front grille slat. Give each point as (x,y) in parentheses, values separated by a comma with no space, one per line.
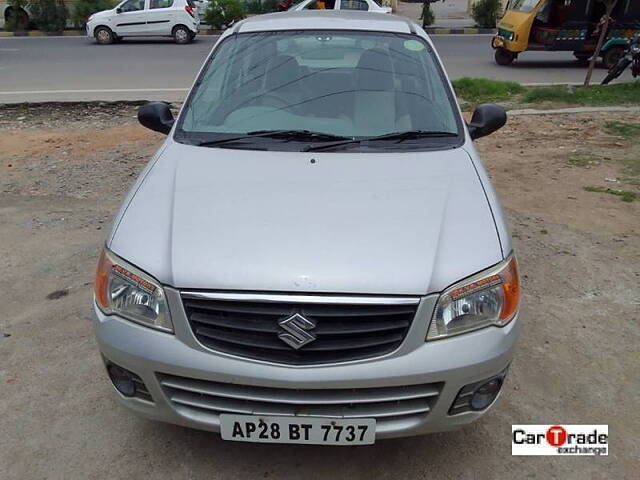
(302,397)
(236,307)
(343,332)
(242,338)
(249,324)
(383,403)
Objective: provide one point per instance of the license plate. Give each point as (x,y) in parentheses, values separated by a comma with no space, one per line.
(315,431)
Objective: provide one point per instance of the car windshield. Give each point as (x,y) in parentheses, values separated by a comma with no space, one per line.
(335,83)
(523,5)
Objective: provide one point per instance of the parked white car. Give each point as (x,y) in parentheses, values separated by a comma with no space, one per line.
(362,5)
(140,18)
(315,254)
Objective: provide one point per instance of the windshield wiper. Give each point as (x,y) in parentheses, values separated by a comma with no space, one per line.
(303,135)
(399,136)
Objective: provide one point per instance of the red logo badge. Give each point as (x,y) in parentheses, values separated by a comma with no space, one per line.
(556,436)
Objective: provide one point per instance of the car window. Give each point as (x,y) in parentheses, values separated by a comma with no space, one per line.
(354,84)
(523,5)
(320,5)
(132,5)
(354,5)
(160,4)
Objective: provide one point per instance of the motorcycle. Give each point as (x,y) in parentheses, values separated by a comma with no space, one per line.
(631,57)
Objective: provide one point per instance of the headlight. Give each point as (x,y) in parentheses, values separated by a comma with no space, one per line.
(123,290)
(635,49)
(488,298)
(90,18)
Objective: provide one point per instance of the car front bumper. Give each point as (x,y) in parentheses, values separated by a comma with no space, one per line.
(449,364)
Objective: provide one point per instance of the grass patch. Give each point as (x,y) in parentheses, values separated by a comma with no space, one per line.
(628,131)
(483,90)
(625,195)
(621,94)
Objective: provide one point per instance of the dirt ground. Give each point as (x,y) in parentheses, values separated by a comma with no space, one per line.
(63,172)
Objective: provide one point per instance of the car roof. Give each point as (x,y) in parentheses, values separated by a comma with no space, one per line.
(326,20)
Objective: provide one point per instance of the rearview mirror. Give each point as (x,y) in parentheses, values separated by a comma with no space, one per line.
(118,10)
(486,119)
(156,116)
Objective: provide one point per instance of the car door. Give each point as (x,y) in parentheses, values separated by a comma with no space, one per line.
(160,17)
(131,19)
(361,5)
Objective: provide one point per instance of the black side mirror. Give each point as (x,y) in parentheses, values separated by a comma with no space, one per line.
(486,119)
(156,116)
(118,10)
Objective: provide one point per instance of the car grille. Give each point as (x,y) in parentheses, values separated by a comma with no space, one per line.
(342,332)
(198,397)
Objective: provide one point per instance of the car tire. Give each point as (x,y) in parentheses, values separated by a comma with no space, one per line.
(504,57)
(104,36)
(182,35)
(612,56)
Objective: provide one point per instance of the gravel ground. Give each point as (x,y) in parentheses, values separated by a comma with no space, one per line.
(63,172)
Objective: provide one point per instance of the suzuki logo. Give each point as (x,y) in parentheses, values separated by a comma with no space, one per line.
(296,327)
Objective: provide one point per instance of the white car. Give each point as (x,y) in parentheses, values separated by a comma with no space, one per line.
(315,254)
(141,18)
(362,5)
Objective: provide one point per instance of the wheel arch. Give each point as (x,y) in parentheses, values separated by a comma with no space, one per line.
(101,25)
(173,29)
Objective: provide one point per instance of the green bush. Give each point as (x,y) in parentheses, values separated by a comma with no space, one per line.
(222,13)
(49,15)
(83,9)
(486,13)
(261,6)
(254,6)
(17,22)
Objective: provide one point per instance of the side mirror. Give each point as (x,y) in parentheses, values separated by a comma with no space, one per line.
(118,10)
(156,116)
(486,119)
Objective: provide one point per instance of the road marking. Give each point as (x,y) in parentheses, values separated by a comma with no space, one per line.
(113,90)
(9,49)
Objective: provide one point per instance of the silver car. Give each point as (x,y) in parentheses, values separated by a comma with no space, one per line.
(315,254)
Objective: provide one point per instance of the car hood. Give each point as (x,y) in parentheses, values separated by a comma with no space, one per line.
(380,223)
(102,14)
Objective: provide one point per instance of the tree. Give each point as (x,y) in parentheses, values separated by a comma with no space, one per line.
(486,13)
(604,28)
(49,15)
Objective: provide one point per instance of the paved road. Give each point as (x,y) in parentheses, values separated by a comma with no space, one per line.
(75,68)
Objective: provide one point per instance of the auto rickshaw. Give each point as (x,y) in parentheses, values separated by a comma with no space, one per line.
(564,25)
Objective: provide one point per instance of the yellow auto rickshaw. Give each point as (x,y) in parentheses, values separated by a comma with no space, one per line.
(564,25)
